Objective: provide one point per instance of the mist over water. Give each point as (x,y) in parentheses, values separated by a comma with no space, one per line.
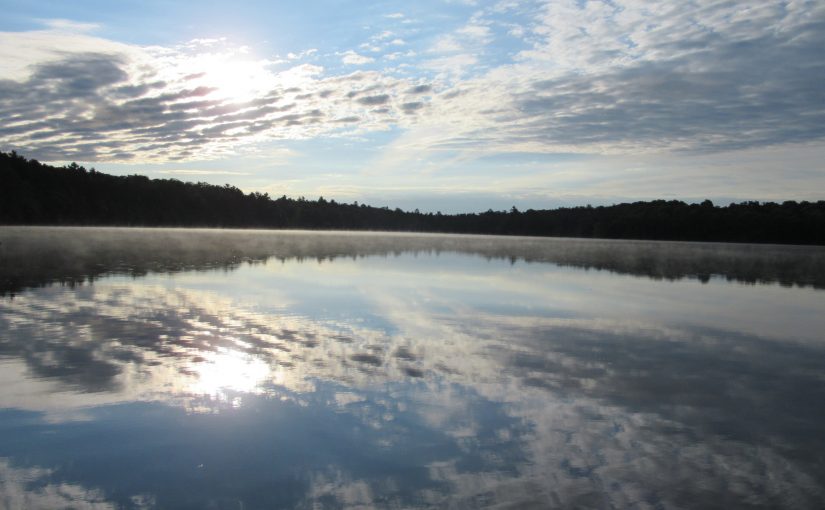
(226,369)
(31,256)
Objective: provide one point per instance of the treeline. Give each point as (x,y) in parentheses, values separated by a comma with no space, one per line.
(32,193)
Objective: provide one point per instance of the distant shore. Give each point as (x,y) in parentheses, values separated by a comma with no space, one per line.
(32,193)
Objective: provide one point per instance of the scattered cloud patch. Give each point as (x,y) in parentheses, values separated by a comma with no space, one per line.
(412,106)
(420,89)
(352,58)
(477,32)
(304,54)
(370,47)
(66,25)
(374,100)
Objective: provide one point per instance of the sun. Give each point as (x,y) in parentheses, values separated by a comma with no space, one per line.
(233,74)
(237,80)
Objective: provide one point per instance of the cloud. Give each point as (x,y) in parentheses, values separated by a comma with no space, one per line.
(20,52)
(352,58)
(470,38)
(446,44)
(79,76)
(452,67)
(477,32)
(628,77)
(597,77)
(69,25)
(412,106)
(176,104)
(303,54)
(374,100)
(382,40)
(420,89)
(370,47)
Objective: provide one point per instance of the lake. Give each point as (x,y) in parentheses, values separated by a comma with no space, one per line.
(176,368)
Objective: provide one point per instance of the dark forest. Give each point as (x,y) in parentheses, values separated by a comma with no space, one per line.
(32,193)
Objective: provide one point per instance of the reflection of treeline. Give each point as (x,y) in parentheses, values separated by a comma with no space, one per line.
(32,193)
(31,257)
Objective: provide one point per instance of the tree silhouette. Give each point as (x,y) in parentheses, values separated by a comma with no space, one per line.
(32,193)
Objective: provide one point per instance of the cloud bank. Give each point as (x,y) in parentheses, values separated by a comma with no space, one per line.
(596,77)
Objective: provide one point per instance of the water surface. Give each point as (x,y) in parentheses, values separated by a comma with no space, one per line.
(242,369)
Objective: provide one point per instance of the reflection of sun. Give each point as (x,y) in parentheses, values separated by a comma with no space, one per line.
(228,371)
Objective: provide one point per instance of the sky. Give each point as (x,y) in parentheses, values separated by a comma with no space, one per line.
(442,105)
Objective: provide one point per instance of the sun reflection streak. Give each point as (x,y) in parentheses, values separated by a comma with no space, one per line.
(227,371)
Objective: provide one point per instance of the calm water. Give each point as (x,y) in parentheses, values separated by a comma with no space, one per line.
(208,369)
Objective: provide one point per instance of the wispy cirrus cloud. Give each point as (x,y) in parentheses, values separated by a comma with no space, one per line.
(68,25)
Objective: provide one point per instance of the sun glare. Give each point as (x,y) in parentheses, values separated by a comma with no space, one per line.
(229,371)
(237,80)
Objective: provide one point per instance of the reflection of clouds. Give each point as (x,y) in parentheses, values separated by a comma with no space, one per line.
(611,412)
(537,408)
(146,342)
(30,488)
(590,456)
(340,488)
